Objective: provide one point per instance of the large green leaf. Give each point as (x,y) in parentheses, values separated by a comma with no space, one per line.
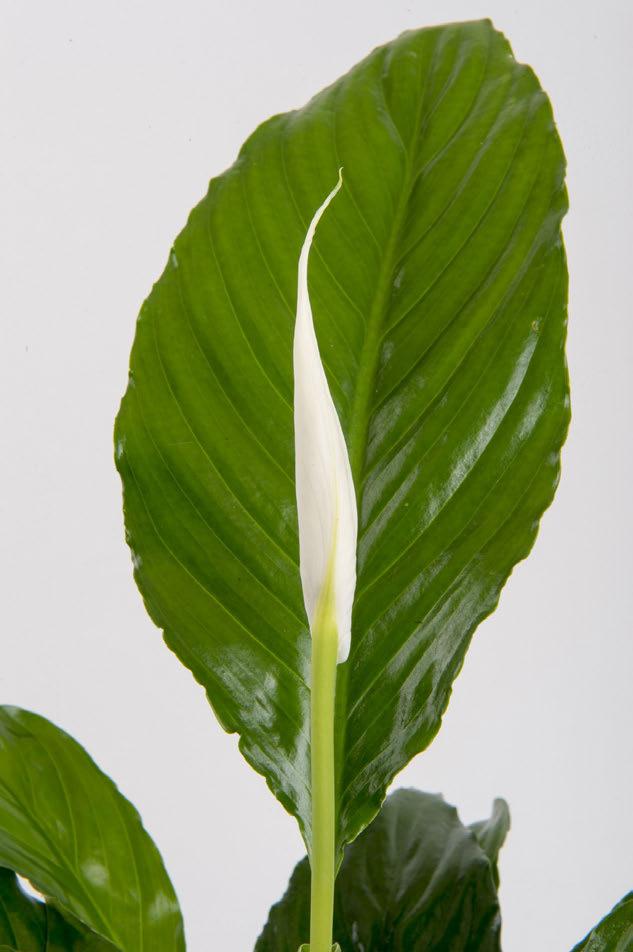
(66,828)
(30,926)
(614,933)
(438,283)
(416,880)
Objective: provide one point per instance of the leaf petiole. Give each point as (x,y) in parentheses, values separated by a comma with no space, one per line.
(322,857)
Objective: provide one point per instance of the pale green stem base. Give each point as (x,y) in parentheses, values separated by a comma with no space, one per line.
(322,858)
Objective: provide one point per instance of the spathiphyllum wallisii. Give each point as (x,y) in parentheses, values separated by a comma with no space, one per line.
(340,432)
(326,490)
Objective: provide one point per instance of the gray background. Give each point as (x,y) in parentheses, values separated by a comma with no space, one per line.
(114,117)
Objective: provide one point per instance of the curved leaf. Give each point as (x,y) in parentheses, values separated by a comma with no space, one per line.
(614,933)
(491,833)
(30,926)
(416,880)
(438,286)
(66,828)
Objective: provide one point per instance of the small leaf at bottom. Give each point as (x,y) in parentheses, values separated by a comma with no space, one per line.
(27,925)
(416,879)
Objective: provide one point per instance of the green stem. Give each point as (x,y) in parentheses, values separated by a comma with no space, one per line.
(322,858)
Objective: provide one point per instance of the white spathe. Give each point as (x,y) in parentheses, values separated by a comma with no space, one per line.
(326,501)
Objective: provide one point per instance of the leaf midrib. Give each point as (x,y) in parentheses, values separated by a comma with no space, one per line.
(368,364)
(372,345)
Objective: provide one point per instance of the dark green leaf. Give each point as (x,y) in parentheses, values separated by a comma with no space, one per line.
(64,935)
(416,880)
(614,933)
(66,828)
(491,833)
(22,919)
(439,286)
(30,926)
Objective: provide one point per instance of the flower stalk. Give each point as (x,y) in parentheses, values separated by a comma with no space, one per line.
(322,857)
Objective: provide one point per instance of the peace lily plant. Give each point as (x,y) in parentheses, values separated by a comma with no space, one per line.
(344,419)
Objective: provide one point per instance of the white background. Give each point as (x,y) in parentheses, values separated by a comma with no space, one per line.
(114,117)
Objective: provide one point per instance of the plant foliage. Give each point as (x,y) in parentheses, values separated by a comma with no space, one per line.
(416,880)
(67,829)
(438,284)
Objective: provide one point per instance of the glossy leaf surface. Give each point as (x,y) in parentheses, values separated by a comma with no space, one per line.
(438,286)
(416,880)
(67,829)
(614,933)
(30,926)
